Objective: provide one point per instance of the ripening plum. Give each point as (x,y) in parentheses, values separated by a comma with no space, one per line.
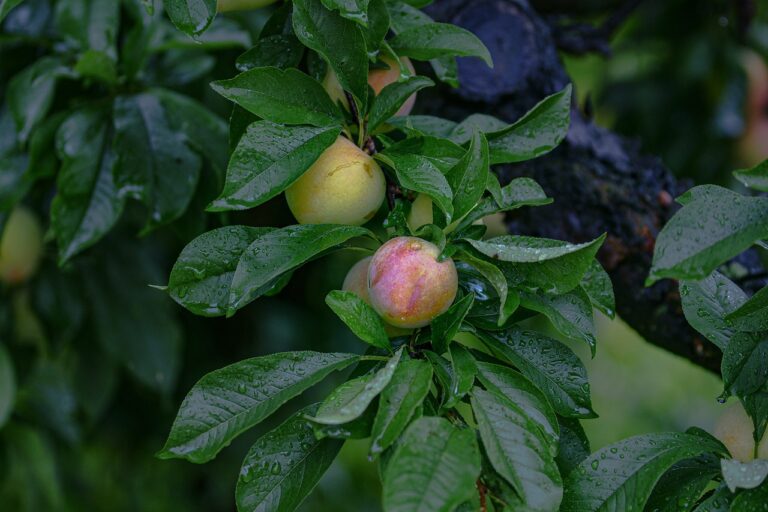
(378,79)
(753,143)
(344,186)
(407,285)
(241,5)
(20,247)
(735,429)
(356,282)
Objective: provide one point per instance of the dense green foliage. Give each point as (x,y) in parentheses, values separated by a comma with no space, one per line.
(104,133)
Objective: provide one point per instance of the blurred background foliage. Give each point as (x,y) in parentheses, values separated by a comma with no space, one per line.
(684,79)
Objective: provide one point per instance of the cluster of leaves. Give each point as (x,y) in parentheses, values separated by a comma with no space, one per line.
(97,140)
(477,411)
(713,226)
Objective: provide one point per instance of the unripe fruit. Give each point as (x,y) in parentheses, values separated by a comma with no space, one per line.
(20,247)
(407,286)
(241,5)
(421,212)
(356,282)
(378,79)
(344,186)
(734,429)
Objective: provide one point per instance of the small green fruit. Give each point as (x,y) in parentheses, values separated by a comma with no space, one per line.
(20,247)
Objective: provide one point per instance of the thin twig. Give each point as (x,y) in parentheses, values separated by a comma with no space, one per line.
(481,490)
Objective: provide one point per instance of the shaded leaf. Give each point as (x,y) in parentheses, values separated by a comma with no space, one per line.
(538,132)
(285,96)
(88,203)
(227,402)
(350,400)
(268,159)
(399,401)
(549,364)
(359,317)
(621,476)
(518,451)
(275,252)
(433,469)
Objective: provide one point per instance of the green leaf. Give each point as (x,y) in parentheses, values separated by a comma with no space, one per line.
(283,466)
(708,302)
(713,226)
(464,369)
(551,266)
(433,469)
(32,472)
(574,445)
(743,366)
(744,475)
(444,373)
(463,132)
(510,385)
(680,487)
(87,204)
(596,283)
(469,176)
(6,6)
(434,40)
(359,317)
(517,193)
(340,41)
(90,25)
(496,278)
(192,17)
(201,278)
(398,403)
(47,398)
(405,16)
(391,98)
(751,500)
(719,501)
(446,325)
(621,476)
(30,93)
(518,451)
(268,159)
(755,177)
(137,326)
(279,50)
(227,402)
(538,132)
(275,252)
(442,153)
(549,364)
(154,162)
(423,125)
(98,66)
(419,174)
(205,131)
(752,316)
(350,400)
(8,385)
(355,10)
(378,25)
(284,96)
(570,314)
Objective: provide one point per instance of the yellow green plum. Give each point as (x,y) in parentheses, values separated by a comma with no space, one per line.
(344,186)
(20,247)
